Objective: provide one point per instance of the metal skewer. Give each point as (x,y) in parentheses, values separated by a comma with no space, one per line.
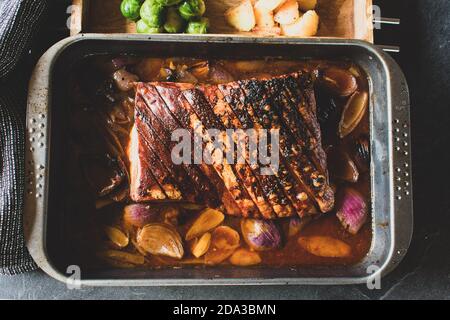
(383,20)
(388,48)
(391,21)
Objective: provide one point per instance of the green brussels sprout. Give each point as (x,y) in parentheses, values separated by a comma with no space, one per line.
(152,13)
(130,9)
(142,27)
(174,23)
(192,9)
(198,27)
(168,3)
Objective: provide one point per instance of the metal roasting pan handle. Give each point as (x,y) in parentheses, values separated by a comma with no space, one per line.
(37,149)
(401,145)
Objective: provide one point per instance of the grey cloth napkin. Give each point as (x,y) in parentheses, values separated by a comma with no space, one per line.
(19,21)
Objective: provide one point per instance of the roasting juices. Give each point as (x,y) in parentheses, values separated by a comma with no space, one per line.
(145,208)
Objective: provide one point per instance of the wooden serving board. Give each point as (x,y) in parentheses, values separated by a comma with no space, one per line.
(350,19)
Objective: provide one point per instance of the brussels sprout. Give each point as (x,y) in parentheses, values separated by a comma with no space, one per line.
(168,3)
(152,13)
(142,27)
(198,27)
(192,8)
(130,9)
(174,23)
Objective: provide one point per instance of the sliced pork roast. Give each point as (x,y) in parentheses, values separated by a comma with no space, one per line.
(300,186)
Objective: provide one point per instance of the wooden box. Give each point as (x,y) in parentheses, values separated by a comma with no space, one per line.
(351,19)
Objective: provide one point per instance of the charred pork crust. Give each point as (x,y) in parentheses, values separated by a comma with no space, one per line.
(148,127)
(290,120)
(236,98)
(258,103)
(301,108)
(226,119)
(158,119)
(184,110)
(170,95)
(315,182)
(161,174)
(271,187)
(286,106)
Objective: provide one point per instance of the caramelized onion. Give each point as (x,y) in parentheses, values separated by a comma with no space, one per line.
(160,239)
(244,257)
(201,245)
(339,81)
(207,220)
(353,211)
(139,215)
(342,166)
(324,246)
(117,236)
(124,80)
(260,234)
(224,241)
(353,112)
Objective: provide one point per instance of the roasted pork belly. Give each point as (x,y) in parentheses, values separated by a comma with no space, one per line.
(286,103)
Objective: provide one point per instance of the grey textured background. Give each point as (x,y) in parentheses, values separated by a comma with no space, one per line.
(425,272)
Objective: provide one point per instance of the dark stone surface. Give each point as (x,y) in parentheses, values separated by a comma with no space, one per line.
(425,272)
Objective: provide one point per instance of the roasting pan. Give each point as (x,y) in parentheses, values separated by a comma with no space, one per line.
(391,196)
